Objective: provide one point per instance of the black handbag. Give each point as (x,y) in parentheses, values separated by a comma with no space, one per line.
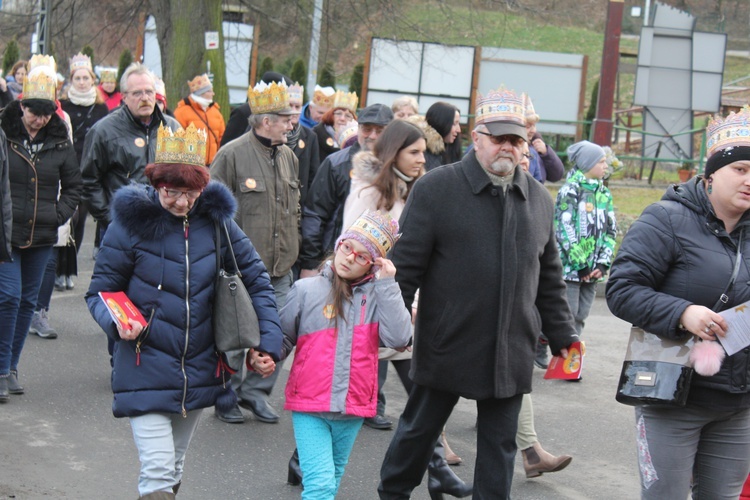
(234,319)
(658,371)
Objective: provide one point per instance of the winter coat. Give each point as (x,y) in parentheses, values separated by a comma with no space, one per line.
(308,154)
(327,145)
(677,254)
(167,266)
(323,212)
(82,118)
(188,111)
(36,181)
(237,124)
(112,100)
(489,277)
(585,226)
(433,155)
(304,118)
(115,154)
(545,167)
(265,182)
(6,204)
(336,363)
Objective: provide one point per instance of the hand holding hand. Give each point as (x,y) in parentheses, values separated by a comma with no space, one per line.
(262,363)
(703,322)
(132,333)
(540,146)
(387,269)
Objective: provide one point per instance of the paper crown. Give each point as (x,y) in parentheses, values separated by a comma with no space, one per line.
(273,98)
(501,105)
(41,80)
(530,112)
(346,100)
(296,93)
(80,61)
(108,75)
(184,146)
(734,130)
(377,231)
(159,86)
(323,97)
(347,133)
(200,84)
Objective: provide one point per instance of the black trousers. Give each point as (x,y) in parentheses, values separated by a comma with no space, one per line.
(402,367)
(423,419)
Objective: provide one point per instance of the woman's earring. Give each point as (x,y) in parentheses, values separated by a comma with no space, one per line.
(710,187)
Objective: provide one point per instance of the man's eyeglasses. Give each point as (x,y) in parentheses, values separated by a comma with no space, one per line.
(140,93)
(175,194)
(347,249)
(527,155)
(514,140)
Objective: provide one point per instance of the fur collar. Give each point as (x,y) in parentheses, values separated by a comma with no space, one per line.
(136,207)
(10,120)
(366,166)
(434,140)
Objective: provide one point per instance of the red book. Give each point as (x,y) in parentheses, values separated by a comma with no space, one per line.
(570,368)
(122,309)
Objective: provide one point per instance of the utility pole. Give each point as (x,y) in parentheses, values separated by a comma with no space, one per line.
(312,67)
(603,125)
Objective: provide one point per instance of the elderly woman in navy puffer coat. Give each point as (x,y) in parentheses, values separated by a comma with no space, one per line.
(161,251)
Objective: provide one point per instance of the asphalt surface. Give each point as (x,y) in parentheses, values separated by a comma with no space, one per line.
(60,440)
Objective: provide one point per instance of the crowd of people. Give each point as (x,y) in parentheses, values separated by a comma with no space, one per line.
(362,234)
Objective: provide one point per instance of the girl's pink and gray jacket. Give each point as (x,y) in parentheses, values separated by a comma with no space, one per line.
(335,370)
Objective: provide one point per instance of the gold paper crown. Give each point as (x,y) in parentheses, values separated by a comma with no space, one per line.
(378,228)
(531,116)
(266,98)
(199,82)
(184,146)
(345,100)
(159,86)
(80,61)
(108,75)
(41,80)
(734,130)
(501,105)
(324,97)
(296,93)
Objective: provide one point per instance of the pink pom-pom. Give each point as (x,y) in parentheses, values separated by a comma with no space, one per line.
(706,357)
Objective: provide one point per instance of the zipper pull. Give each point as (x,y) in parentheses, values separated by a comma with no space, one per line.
(186,225)
(364,301)
(184,412)
(138,354)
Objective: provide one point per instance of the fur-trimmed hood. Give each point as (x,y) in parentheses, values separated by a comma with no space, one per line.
(10,120)
(137,208)
(434,140)
(366,166)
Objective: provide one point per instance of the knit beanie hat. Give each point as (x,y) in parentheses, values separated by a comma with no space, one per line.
(585,155)
(377,231)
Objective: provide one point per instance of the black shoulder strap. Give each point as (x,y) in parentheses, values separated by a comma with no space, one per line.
(724,297)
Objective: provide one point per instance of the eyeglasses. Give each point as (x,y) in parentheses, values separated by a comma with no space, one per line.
(514,140)
(347,249)
(176,194)
(527,155)
(368,129)
(140,93)
(340,113)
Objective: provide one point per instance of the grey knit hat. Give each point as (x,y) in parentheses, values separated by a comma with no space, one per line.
(585,155)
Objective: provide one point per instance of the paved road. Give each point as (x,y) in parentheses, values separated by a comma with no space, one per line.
(59,440)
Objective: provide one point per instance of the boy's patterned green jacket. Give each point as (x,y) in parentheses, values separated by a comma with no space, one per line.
(585,226)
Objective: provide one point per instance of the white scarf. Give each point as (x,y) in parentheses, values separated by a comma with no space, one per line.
(202,102)
(82,98)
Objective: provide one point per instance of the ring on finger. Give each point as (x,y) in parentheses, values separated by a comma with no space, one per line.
(707,330)
(711,325)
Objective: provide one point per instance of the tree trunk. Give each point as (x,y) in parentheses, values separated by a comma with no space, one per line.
(180,27)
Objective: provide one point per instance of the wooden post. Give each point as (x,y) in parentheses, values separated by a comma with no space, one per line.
(603,125)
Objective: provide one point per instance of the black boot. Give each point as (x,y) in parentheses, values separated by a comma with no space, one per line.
(441,479)
(4,394)
(176,488)
(294,476)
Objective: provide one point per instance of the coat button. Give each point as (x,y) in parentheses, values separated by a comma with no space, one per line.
(31,221)
(493,192)
(33,179)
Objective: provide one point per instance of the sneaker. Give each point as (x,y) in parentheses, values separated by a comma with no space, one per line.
(69,283)
(60,283)
(40,325)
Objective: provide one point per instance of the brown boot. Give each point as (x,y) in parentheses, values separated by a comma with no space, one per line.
(536,461)
(450,457)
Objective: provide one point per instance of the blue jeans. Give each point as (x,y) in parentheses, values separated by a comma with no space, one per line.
(19,288)
(162,440)
(581,296)
(676,445)
(48,282)
(324,447)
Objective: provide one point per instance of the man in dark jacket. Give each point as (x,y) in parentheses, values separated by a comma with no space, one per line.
(478,243)
(118,148)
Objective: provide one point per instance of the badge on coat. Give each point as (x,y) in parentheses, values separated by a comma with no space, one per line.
(139,142)
(328,311)
(250,183)
(329,142)
(301,144)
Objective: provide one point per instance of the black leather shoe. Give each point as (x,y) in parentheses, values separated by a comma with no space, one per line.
(379,422)
(261,410)
(233,416)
